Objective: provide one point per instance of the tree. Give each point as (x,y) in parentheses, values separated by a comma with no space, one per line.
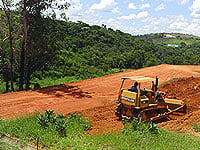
(32,9)
(24,43)
(6,6)
(4,67)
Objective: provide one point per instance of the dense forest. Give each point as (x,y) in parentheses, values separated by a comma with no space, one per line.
(36,46)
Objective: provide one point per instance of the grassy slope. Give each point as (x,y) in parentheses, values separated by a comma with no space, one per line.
(28,129)
(173,41)
(187,39)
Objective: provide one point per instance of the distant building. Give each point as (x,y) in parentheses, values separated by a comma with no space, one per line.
(169,36)
(173,45)
(85,28)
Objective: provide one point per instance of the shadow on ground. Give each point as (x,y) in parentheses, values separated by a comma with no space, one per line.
(63,89)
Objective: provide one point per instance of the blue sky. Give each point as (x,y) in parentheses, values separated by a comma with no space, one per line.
(139,16)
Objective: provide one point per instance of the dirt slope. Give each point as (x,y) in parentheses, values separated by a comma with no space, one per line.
(87,96)
(187,90)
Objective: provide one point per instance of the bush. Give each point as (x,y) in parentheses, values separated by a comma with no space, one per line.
(50,119)
(86,124)
(60,123)
(141,127)
(47,74)
(47,118)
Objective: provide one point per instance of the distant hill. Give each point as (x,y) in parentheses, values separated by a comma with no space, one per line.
(170,38)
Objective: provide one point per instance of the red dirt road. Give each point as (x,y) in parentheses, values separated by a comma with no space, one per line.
(94,98)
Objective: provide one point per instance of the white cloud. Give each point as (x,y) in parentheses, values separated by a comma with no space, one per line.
(111,20)
(61,2)
(195,8)
(13,3)
(178,25)
(129,17)
(183,2)
(143,14)
(116,10)
(147,5)
(170,23)
(140,15)
(196,20)
(160,7)
(75,8)
(131,6)
(104,5)
(95,19)
(143,6)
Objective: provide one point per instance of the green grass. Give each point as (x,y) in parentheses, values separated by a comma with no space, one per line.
(197,127)
(50,81)
(28,129)
(44,82)
(7,146)
(174,41)
(136,140)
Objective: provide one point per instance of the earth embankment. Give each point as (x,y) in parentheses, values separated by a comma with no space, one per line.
(94,98)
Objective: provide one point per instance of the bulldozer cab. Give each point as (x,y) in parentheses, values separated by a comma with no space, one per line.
(139,99)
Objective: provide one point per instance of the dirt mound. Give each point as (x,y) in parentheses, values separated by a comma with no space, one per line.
(93,97)
(187,90)
(103,119)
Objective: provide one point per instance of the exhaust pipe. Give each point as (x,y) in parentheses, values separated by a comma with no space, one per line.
(156,86)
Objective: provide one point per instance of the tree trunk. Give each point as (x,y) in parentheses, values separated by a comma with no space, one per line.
(28,76)
(21,71)
(23,51)
(7,85)
(11,53)
(4,70)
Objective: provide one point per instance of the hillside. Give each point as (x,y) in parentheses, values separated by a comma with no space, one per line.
(94,98)
(170,38)
(84,51)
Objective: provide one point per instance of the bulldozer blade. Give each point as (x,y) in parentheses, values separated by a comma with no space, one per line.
(176,105)
(166,114)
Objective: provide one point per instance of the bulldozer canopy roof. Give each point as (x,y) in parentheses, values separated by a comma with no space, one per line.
(140,78)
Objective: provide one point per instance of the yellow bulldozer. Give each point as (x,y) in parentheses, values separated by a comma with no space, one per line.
(146,104)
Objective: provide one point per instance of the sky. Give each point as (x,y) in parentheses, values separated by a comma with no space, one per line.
(139,16)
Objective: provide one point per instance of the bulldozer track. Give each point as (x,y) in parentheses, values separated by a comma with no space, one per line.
(146,113)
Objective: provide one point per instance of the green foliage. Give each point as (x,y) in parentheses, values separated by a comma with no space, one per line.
(61,125)
(86,124)
(49,119)
(28,129)
(51,128)
(47,74)
(7,146)
(84,51)
(135,125)
(153,128)
(197,127)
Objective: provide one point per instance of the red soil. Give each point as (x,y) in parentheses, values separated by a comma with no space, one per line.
(94,98)
(187,90)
